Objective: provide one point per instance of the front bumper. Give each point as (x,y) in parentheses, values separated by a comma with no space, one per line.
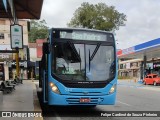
(56,99)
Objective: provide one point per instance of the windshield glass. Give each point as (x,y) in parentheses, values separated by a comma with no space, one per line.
(83,62)
(155,76)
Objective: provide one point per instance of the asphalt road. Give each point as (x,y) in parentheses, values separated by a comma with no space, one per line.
(130,97)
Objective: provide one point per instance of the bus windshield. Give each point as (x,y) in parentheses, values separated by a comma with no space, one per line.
(83,61)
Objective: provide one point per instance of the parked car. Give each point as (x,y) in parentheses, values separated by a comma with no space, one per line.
(151,79)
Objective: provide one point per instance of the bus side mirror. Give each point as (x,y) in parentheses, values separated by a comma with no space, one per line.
(46,48)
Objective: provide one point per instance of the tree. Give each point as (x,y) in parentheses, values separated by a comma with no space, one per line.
(99,16)
(38,30)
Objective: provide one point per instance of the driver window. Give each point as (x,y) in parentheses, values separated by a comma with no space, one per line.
(150,76)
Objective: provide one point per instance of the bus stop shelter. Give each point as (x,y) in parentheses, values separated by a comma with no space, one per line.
(21,9)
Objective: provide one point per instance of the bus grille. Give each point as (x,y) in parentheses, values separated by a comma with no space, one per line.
(84,85)
(85,93)
(76,100)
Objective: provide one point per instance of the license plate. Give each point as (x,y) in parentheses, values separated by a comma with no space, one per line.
(84,100)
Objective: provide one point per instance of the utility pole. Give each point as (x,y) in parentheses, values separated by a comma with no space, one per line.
(17,62)
(17,42)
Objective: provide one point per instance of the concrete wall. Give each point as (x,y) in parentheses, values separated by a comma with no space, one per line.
(6,72)
(33,54)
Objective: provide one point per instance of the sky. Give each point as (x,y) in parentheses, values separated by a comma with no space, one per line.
(142,25)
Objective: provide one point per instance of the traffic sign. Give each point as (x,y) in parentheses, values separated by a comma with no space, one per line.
(16,36)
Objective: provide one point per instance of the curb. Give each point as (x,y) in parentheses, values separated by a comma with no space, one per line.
(36,103)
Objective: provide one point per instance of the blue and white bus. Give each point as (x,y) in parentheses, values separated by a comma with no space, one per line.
(79,67)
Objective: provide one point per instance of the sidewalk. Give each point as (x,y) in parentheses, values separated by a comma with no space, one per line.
(137,84)
(129,82)
(24,98)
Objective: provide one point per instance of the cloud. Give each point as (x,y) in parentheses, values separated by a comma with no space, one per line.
(58,13)
(142,24)
(143,18)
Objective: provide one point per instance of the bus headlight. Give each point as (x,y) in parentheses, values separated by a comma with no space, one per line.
(113,88)
(54,88)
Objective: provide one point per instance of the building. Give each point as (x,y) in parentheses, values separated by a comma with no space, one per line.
(35,50)
(5,31)
(130,68)
(148,55)
(7,60)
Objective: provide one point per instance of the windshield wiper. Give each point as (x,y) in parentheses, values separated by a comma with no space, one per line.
(89,60)
(93,54)
(95,51)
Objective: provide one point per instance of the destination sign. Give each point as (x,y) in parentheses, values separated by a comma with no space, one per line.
(85,35)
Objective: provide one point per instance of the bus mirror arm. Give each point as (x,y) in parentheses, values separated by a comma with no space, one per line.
(46,48)
(80,61)
(75,56)
(89,60)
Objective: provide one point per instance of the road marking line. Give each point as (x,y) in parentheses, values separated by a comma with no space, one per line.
(124,103)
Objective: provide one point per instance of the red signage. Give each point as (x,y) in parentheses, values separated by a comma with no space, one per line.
(119,52)
(125,51)
(39,43)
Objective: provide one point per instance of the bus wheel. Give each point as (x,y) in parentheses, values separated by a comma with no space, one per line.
(155,84)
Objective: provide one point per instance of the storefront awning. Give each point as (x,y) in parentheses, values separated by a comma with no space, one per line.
(25,9)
